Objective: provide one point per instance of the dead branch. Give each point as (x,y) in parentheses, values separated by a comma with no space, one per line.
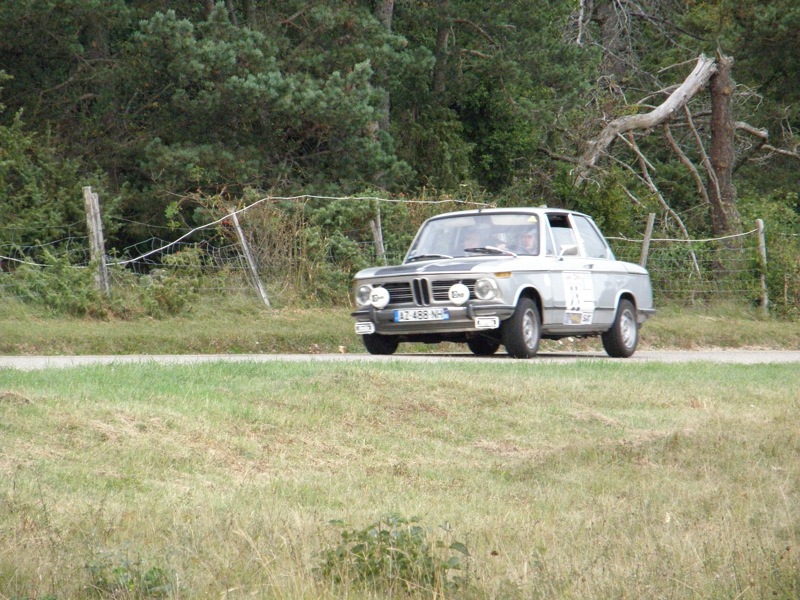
(701,189)
(645,167)
(698,78)
(712,174)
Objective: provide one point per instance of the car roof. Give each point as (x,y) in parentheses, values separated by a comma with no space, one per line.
(518,210)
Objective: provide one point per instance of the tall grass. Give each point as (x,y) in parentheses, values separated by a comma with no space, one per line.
(592,480)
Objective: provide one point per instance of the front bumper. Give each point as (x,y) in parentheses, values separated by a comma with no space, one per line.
(463,319)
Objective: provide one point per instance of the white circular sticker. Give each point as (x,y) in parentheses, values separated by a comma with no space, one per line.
(458,294)
(379,297)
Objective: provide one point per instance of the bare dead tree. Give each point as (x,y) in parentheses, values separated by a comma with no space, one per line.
(725,218)
(596,147)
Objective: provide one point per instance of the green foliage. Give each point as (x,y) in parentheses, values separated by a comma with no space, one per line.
(172,289)
(781,219)
(71,290)
(59,286)
(395,554)
(158,106)
(116,575)
(41,192)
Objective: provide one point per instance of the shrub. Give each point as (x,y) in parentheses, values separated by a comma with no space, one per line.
(116,575)
(395,554)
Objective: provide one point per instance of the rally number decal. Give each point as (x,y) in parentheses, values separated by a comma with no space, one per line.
(579,298)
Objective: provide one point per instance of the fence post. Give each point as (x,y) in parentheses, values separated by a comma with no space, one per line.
(648,234)
(377,234)
(249,258)
(97,249)
(762,254)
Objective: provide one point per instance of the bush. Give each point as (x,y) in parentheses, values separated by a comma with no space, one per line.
(395,554)
(71,290)
(59,286)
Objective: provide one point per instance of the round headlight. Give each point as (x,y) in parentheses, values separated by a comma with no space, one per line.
(486,289)
(363,295)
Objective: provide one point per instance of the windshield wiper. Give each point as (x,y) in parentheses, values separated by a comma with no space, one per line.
(427,257)
(490,250)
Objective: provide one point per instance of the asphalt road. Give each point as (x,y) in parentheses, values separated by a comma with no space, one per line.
(29,363)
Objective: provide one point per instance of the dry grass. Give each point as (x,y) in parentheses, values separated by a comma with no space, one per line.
(594,480)
(241,325)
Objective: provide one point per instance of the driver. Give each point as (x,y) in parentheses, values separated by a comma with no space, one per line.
(529,241)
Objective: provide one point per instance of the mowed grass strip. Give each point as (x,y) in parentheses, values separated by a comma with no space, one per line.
(591,480)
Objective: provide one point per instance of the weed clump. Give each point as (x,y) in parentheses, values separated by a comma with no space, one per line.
(116,575)
(396,554)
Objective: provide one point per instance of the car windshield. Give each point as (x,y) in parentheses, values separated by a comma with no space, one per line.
(477,235)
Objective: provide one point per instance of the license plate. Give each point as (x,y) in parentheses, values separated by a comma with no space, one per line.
(421,314)
(365,328)
(487,322)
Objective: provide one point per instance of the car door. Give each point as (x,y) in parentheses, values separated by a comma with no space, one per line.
(573,296)
(599,260)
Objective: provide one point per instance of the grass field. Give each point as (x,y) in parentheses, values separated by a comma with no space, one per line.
(591,480)
(235,325)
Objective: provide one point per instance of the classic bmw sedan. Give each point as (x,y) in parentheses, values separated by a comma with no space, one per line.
(509,277)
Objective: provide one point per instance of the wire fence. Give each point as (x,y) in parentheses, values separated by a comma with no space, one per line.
(286,258)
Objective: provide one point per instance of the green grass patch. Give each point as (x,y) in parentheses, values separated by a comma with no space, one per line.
(591,480)
(240,325)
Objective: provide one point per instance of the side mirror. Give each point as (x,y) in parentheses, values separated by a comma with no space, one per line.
(568,250)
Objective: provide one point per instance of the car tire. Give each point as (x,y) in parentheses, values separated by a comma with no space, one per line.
(375,343)
(482,346)
(620,341)
(522,331)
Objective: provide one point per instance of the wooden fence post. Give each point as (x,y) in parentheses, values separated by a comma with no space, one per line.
(762,255)
(97,249)
(648,235)
(249,258)
(377,234)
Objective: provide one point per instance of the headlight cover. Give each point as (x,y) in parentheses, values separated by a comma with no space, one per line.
(486,289)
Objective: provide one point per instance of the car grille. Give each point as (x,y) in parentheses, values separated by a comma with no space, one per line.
(423,292)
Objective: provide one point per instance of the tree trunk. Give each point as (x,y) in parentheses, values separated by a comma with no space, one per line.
(440,66)
(250,13)
(384,12)
(725,218)
(613,39)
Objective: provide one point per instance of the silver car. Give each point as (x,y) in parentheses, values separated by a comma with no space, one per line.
(506,277)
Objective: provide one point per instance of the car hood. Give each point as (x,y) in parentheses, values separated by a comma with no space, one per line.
(480,264)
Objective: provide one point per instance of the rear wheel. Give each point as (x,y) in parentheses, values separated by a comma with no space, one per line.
(620,341)
(482,346)
(521,332)
(375,343)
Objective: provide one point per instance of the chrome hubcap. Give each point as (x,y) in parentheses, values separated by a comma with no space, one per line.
(627,328)
(529,329)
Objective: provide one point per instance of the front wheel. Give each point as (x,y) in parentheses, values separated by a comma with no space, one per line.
(522,331)
(620,341)
(375,343)
(482,346)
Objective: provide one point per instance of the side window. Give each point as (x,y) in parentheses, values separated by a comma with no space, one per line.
(594,246)
(562,232)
